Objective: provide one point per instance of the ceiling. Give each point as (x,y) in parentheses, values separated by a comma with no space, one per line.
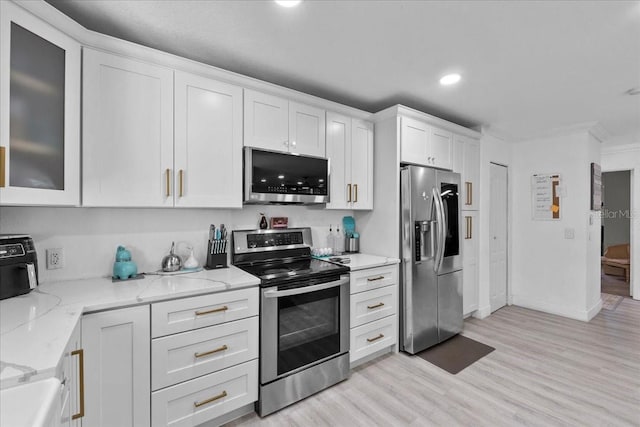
(528,67)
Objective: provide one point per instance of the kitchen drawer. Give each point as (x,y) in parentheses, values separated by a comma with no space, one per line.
(181,357)
(194,402)
(372,278)
(374,336)
(181,315)
(373,305)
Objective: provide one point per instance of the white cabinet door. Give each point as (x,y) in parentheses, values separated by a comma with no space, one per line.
(414,141)
(306,130)
(362,164)
(266,121)
(470,262)
(39,111)
(127,132)
(471,175)
(71,411)
(339,155)
(117,375)
(440,142)
(208,143)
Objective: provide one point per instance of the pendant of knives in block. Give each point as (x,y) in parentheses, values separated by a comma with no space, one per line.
(217,239)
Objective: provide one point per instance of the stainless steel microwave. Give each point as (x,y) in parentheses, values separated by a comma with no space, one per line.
(272,177)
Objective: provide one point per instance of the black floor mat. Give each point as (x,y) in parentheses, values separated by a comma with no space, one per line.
(455,354)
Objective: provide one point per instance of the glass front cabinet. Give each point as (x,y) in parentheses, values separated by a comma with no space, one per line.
(39,111)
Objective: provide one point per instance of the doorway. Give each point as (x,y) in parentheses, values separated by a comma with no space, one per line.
(498,230)
(616,234)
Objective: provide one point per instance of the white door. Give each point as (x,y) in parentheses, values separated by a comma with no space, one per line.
(362,164)
(117,376)
(208,143)
(306,130)
(266,121)
(498,235)
(127,135)
(338,142)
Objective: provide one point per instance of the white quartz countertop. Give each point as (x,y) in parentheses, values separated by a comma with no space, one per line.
(35,328)
(362,261)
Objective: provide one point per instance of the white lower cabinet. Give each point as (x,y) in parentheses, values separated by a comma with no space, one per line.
(204,357)
(71,400)
(116,368)
(194,402)
(374,311)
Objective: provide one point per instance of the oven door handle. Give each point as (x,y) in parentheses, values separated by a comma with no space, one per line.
(305,290)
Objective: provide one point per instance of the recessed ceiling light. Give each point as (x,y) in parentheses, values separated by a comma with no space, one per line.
(450,79)
(288,3)
(281,176)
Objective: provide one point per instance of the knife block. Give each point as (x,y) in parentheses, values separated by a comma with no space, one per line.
(216,255)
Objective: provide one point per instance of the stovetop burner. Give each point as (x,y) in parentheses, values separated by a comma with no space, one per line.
(280,256)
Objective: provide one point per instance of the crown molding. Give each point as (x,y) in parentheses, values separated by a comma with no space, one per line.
(401,110)
(593,128)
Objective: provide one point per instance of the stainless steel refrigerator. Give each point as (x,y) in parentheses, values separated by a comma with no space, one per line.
(431,292)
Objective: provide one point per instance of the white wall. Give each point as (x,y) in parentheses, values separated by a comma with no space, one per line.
(627,157)
(550,272)
(493,149)
(89,236)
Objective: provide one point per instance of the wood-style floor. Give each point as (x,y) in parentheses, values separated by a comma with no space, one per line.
(546,371)
(614,285)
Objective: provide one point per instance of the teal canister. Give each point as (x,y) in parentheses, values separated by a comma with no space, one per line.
(124,268)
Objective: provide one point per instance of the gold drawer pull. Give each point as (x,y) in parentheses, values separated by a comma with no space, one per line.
(80,354)
(211,399)
(373,279)
(215,310)
(371,307)
(217,350)
(375,338)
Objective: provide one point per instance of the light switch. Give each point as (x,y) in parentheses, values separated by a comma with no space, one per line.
(569,233)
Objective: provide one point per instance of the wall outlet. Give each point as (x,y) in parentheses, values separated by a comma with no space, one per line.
(55,258)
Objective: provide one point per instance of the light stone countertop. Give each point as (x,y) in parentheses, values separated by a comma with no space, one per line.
(35,328)
(363,261)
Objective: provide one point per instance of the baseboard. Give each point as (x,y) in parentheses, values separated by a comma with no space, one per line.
(230,416)
(390,349)
(560,310)
(482,312)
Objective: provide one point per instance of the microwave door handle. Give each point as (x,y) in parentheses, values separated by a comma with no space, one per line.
(306,289)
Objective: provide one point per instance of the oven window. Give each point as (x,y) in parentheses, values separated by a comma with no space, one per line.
(449,196)
(308,328)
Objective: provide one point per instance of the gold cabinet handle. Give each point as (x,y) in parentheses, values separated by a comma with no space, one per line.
(375,338)
(168,183)
(468,222)
(215,310)
(470,193)
(3,170)
(80,354)
(216,350)
(181,179)
(211,399)
(468,188)
(349,193)
(378,305)
(355,191)
(373,279)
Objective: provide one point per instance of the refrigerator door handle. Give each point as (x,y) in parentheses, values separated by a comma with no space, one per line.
(440,219)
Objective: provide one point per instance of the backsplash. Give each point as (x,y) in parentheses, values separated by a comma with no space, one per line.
(90,236)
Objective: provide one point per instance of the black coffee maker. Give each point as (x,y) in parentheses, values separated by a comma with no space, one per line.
(18,265)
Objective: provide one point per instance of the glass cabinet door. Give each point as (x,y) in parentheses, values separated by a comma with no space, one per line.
(39,135)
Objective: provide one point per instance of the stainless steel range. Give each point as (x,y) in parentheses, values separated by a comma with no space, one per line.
(304,315)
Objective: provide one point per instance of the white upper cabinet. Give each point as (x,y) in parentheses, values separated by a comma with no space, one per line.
(266,121)
(306,130)
(127,132)
(276,124)
(208,142)
(130,154)
(350,154)
(423,144)
(467,163)
(39,111)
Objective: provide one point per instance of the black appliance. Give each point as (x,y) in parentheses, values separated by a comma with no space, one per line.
(271,177)
(304,315)
(18,265)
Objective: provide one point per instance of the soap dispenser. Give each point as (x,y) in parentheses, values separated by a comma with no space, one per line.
(191,263)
